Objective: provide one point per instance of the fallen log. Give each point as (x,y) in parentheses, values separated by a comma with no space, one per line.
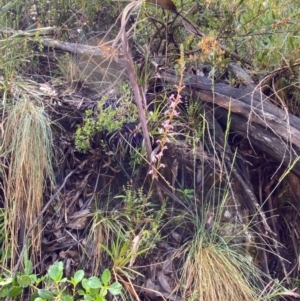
(271,129)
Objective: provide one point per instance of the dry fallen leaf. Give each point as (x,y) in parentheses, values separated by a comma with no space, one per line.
(164,282)
(135,247)
(166,4)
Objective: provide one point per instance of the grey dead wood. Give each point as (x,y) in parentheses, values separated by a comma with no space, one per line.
(252,114)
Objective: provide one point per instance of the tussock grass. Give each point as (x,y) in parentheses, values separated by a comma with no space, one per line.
(214,271)
(103,228)
(27,143)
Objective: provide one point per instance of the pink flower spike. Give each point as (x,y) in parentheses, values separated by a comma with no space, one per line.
(159,155)
(176,113)
(165,147)
(173,104)
(162,165)
(160,130)
(167,140)
(158,141)
(167,112)
(166,123)
(172,96)
(150,172)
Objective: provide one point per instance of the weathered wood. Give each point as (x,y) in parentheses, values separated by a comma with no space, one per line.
(262,139)
(269,128)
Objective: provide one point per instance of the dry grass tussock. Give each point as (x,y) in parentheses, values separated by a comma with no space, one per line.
(28,142)
(216,272)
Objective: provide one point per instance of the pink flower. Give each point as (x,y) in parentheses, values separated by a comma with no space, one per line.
(173,104)
(166,123)
(150,172)
(159,155)
(176,113)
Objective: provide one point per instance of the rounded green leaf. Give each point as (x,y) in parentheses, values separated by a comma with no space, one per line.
(55,272)
(88,298)
(34,296)
(28,267)
(24,280)
(6,281)
(85,284)
(33,278)
(4,292)
(45,294)
(94,282)
(78,276)
(15,291)
(115,288)
(66,298)
(105,276)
